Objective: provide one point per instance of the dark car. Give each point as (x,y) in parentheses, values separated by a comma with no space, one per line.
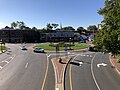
(90,49)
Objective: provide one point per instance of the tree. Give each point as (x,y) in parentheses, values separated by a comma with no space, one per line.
(109,37)
(14,25)
(92,27)
(80,29)
(68,28)
(34,28)
(49,26)
(54,25)
(20,24)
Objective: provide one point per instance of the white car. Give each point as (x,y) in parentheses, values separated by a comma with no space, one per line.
(23,48)
(39,50)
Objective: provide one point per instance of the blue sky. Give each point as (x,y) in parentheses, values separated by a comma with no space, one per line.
(40,12)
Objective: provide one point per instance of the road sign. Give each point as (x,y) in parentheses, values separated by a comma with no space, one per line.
(101,64)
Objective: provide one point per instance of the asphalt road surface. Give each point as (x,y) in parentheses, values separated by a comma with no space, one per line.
(92,71)
(24,70)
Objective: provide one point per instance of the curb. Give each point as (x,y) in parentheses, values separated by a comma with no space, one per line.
(66,69)
(61,86)
(114,65)
(3,51)
(81,50)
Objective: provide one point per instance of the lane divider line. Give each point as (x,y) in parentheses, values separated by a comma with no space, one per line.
(45,76)
(70,72)
(26,65)
(5,61)
(70,77)
(1,67)
(93,73)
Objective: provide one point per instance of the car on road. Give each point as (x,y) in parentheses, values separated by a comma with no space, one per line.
(38,50)
(23,48)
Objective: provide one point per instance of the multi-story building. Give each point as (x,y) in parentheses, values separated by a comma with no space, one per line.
(20,36)
(61,35)
(17,36)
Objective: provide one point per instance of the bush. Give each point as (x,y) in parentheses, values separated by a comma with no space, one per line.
(118,57)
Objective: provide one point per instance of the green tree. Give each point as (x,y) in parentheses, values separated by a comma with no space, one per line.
(92,27)
(109,37)
(49,26)
(68,28)
(80,30)
(20,24)
(54,25)
(34,28)
(14,25)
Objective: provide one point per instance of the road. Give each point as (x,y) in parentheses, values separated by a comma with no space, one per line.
(93,73)
(25,70)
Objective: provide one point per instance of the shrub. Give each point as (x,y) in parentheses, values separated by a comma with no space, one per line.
(118,57)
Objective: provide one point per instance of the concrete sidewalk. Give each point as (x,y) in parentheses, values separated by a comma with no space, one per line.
(115,64)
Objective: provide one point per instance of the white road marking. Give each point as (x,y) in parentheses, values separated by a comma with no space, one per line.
(93,73)
(90,55)
(68,52)
(1,67)
(84,55)
(87,55)
(101,64)
(48,55)
(26,65)
(11,57)
(80,63)
(5,61)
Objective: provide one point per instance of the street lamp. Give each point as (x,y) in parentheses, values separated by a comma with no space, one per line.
(70,42)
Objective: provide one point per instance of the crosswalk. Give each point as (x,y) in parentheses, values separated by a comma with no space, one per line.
(86,55)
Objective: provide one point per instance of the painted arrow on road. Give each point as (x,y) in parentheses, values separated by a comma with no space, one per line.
(80,63)
(101,64)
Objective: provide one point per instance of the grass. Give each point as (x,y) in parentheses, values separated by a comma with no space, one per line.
(76,47)
(3,48)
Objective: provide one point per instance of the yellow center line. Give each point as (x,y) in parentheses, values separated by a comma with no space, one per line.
(43,84)
(70,76)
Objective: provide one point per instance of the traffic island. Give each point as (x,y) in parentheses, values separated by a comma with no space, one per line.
(59,64)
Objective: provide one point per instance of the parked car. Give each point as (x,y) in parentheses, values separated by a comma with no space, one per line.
(39,50)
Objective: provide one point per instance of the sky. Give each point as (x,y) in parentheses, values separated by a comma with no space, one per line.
(38,13)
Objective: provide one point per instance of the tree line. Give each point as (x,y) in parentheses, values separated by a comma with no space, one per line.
(50,27)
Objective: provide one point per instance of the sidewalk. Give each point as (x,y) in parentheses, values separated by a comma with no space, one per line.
(115,64)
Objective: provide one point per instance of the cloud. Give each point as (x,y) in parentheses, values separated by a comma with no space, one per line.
(2,25)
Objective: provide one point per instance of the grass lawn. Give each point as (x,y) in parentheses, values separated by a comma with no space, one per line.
(76,47)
